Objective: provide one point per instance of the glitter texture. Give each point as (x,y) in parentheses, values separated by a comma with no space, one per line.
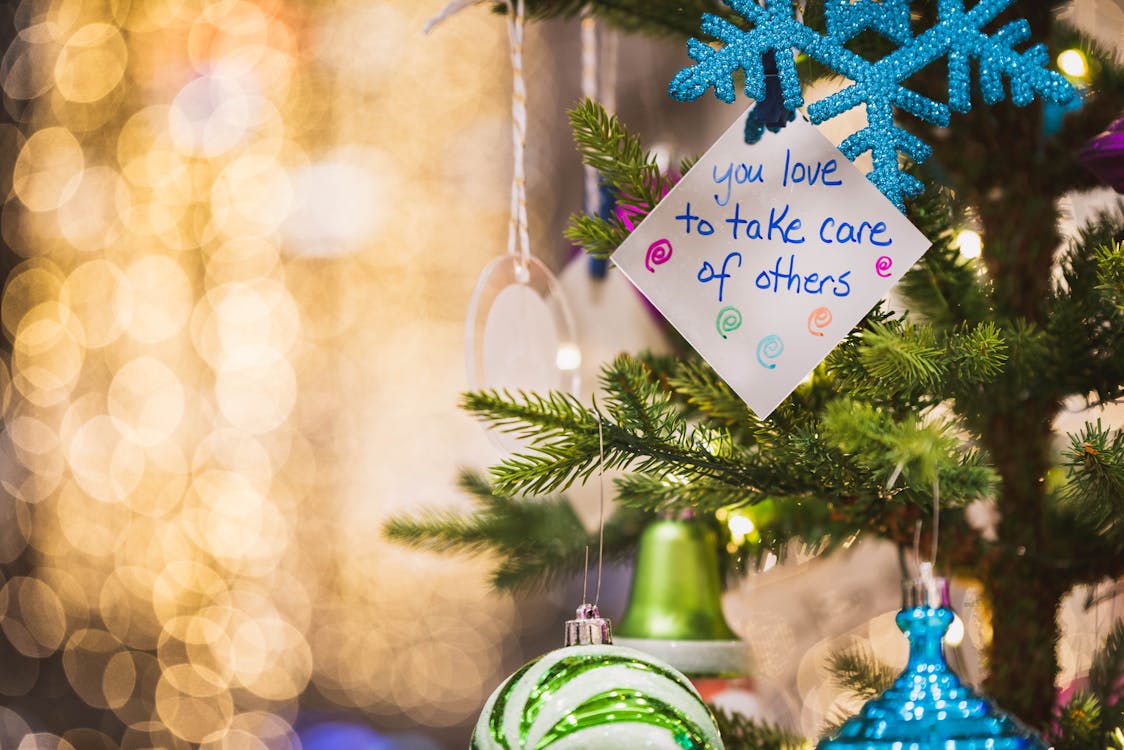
(957,36)
(928,708)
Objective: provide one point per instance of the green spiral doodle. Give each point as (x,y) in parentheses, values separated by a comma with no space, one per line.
(729,320)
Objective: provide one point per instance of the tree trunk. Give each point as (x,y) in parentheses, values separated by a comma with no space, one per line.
(1023,590)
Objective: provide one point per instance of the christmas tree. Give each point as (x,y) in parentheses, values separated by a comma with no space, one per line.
(950,398)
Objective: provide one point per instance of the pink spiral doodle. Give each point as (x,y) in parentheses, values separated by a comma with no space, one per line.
(820,318)
(883,265)
(659,252)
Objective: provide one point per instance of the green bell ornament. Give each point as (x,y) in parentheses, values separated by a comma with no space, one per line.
(592,695)
(675,613)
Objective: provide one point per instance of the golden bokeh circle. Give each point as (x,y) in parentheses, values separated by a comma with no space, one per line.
(100,298)
(94,219)
(26,71)
(48,169)
(105,465)
(146,401)
(33,617)
(195,718)
(91,64)
(162,298)
(85,660)
(31,283)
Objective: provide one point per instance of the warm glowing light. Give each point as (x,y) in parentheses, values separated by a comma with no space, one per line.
(48,169)
(1072,62)
(740,526)
(215,112)
(91,63)
(969,242)
(955,635)
(195,296)
(338,202)
(569,356)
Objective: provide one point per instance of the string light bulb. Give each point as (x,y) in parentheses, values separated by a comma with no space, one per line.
(1072,62)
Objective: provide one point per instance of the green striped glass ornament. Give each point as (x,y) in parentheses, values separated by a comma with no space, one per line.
(596,696)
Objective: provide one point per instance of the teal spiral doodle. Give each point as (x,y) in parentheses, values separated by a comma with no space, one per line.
(769,348)
(729,319)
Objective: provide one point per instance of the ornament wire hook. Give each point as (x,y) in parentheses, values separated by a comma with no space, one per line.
(936,518)
(601,509)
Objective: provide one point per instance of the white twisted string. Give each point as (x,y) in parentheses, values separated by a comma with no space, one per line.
(518,238)
(589,91)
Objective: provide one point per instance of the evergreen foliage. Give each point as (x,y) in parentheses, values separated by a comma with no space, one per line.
(861,673)
(1092,719)
(742,733)
(536,543)
(959,394)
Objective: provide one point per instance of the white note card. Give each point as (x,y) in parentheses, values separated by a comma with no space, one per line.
(764,256)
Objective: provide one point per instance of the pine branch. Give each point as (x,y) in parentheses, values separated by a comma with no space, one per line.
(645,430)
(1106,673)
(902,356)
(1080,725)
(537,542)
(921,452)
(1094,466)
(669,493)
(944,286)
(697,381)
(740,732)
(527,415)
(629,171)
(1110,272)
(860,672)
(1086,327)
(977,355)
(597,236)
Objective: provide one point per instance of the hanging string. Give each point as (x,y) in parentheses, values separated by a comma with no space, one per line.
(589,83)
(936,518)
(917,527)
(601,508)
(610,42)
(518,239)
(585,577)
(454,7)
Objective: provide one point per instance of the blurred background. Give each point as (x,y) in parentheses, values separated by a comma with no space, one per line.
(239,240)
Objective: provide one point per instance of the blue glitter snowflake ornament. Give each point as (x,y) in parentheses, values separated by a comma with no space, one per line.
(957,36)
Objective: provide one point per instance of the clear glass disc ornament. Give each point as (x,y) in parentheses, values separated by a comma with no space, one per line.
(519,333)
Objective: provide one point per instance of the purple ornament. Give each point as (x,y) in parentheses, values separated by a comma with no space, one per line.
(1104,155)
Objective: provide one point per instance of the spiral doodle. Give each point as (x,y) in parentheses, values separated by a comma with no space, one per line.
(820,318)
(769,347)
(729,319)
(883,265)
(659,252)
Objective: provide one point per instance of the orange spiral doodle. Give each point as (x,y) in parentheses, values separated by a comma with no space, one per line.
(820,318)
(659,252)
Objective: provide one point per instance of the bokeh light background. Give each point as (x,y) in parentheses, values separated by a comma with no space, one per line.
(240,237)
(239,267)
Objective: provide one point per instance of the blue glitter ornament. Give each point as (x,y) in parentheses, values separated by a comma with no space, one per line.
(956,36)
(928,708)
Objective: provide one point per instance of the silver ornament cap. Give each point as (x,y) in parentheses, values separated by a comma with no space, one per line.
(589,628)
(926,590)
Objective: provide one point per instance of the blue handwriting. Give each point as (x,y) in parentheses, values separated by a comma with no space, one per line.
(706,273)
(775,280)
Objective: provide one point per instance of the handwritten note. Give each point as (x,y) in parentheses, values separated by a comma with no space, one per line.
(764,256)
